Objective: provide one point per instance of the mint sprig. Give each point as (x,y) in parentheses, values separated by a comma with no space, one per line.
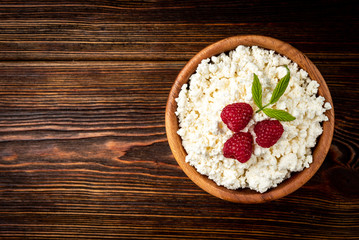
(280,115)
(279,90)
(257,91)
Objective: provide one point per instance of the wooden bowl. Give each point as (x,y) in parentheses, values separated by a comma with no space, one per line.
(246,195)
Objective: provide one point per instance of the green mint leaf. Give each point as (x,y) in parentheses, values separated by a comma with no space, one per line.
(257,91)
(280,88)
(278,114)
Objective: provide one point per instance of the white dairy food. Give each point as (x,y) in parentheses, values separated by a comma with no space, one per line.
(227,79)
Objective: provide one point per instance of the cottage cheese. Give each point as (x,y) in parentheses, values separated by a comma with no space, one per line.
(226,79)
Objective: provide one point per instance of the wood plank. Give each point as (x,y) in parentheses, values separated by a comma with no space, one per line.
(83,154)
(196,11)
(83,41)
(127,30)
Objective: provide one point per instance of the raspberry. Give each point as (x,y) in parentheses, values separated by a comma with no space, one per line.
(239,146)
(268,132)
(237,115)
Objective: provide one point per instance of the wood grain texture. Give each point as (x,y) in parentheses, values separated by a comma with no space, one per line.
(141,30)
(84,155)
(83,149)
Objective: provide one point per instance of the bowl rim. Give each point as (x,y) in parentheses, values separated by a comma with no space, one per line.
(245,195)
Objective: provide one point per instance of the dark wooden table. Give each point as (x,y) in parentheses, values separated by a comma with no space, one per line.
(83,149)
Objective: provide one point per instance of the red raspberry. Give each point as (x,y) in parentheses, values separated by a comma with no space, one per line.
(237,115)
(268,132)
(239,146)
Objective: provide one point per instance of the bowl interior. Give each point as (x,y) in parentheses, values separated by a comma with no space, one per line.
(245,195)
